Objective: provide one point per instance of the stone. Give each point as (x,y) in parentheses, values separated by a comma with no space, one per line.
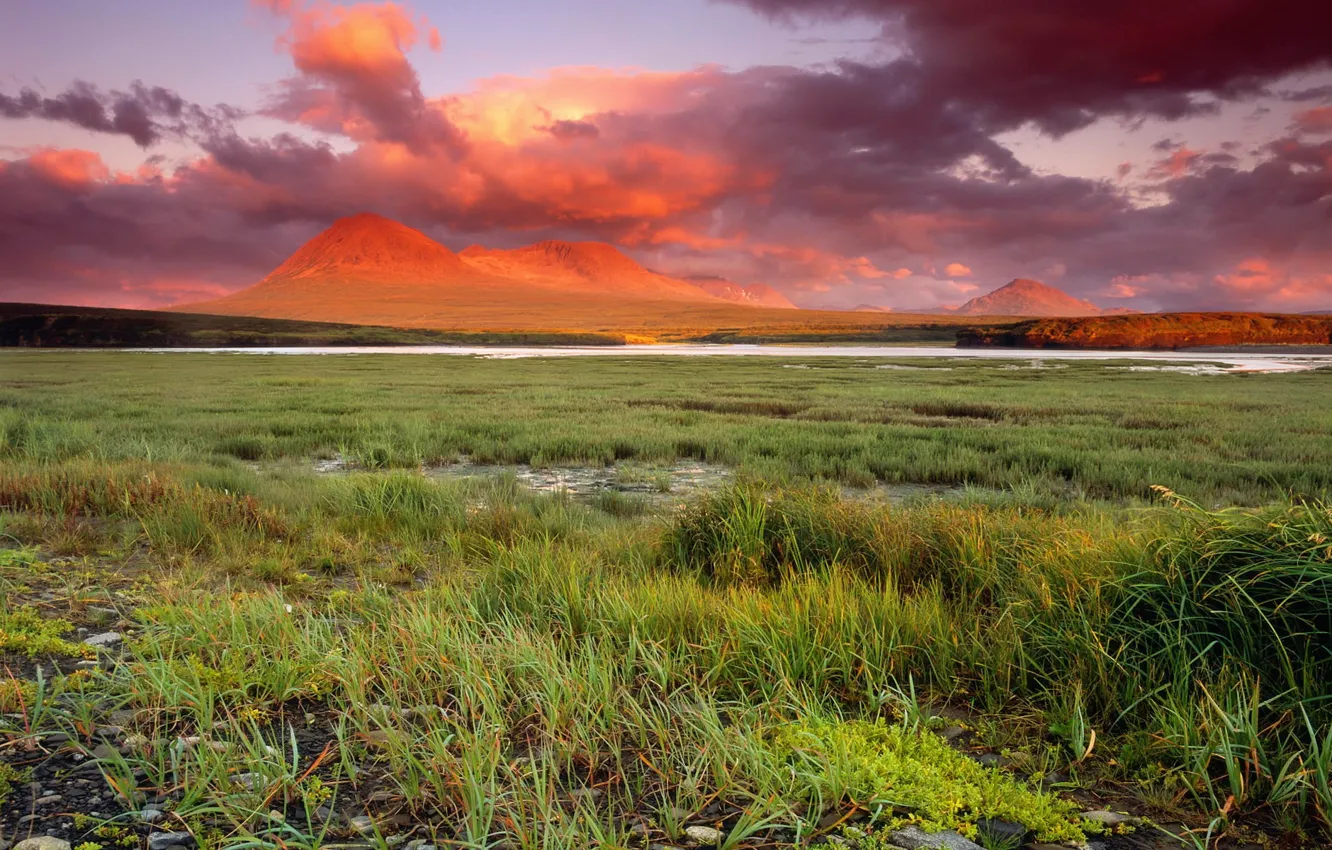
(915,838)
(104,640)
(163,840)
(88,665)
(49,799)
(102,616)
(248,781)
(704,835)
(55,738)
(1001,833)
(1111,819)
(151,815)
(363,824)
(589,794)
(42,842)
(395,840)
(105,751)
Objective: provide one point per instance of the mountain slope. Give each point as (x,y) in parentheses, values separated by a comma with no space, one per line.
(759,294)
(1024,297)
(581,267)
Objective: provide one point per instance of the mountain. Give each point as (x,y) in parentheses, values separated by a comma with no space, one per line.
(367,269)
(369,244)
(1023,297)
(586,267)
(755,293)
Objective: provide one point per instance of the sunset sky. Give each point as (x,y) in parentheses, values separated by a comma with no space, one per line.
(902,153)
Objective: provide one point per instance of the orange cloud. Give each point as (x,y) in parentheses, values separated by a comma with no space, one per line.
(1176,165)
(355,77)
(957,270)
(1260,282)
(71,167)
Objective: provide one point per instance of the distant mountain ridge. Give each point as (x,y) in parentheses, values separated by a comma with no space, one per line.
(579,266)
(1026,297)
(754,293)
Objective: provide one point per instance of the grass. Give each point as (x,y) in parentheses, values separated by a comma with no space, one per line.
(471,664)
(1084,431)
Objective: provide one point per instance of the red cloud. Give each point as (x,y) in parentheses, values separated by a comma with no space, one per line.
(1316,120)
(355,75)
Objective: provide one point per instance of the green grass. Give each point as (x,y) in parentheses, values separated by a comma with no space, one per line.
(1085,431)
(494,665)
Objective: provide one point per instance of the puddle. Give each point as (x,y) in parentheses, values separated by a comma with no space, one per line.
(685,477)
(652,483)
(680,478)
(897,494)
(1194,369)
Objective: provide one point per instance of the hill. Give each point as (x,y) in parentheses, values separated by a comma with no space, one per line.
(759,294)
(51,325)
(1156,331)
(1024,297)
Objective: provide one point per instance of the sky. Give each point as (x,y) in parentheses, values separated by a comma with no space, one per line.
(907,154)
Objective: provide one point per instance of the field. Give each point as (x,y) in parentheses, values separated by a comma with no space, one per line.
(1122,598)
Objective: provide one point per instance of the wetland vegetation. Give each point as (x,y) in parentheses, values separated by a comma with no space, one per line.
(1123,601)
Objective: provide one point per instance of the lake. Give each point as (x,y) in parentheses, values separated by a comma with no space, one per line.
(1201,362)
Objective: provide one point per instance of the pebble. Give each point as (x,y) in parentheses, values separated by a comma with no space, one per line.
(103,639)
(248,781)
(42,842)
(1108,818)
(163,840)
(592,794)
(151,815)
(49,799)
(88,665)
(705,835)
(105,751)
(364,824)
(915,838)
(395,840)
(55,738)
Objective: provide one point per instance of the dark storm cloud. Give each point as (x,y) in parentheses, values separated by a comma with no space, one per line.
(145,114)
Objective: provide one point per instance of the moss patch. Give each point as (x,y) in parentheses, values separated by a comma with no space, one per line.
(918,773)
(25,631)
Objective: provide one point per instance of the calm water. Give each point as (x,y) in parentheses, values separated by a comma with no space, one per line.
(1200,362)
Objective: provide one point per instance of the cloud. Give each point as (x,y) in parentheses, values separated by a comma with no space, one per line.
(1060,65)
(144,114)
(1313,121)
(837,179)
(354,75)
